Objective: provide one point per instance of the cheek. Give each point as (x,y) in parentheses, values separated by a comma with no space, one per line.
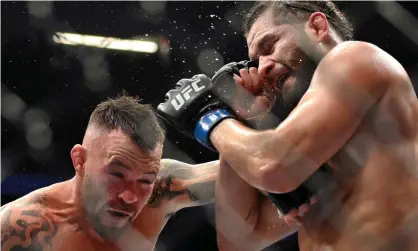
(146,191)
(113,187)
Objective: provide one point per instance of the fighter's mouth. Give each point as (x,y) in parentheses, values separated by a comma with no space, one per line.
(281,81)
(118,214)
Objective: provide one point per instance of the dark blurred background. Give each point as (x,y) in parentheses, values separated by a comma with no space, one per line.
(48,90)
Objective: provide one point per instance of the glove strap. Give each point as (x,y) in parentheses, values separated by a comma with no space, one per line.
(206,124)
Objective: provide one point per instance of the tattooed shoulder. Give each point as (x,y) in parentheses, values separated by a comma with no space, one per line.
(27,225)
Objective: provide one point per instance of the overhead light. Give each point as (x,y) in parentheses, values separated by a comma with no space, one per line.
(105,42)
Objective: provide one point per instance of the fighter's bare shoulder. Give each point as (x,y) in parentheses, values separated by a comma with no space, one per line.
(365,64)
(16,217)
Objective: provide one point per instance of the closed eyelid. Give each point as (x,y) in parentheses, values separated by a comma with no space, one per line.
(258,45)
(267,40)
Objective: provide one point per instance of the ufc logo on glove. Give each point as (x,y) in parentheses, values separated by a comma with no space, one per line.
(178,102)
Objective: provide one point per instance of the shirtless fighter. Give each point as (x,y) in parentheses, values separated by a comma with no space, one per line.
(357,112)
(122,194)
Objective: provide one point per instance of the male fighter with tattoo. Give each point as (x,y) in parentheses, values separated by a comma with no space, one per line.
(122,193)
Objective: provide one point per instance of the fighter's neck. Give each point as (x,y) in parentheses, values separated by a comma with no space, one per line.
(63,198)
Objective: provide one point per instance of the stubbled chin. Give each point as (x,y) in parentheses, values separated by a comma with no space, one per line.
(288,86)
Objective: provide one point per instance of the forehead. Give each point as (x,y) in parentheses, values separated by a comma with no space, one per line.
(263,24)
(117,143)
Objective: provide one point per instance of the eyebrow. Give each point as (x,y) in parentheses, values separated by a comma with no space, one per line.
(120,163)
(260,42)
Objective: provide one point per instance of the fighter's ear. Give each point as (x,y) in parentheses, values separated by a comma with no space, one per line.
(78,157)
(319,27)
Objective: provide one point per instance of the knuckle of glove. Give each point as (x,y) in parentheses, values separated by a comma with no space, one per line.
(182,82)
(227,67)
(242,64)
(160,107)
(169,94)
(232,68)
(201,77)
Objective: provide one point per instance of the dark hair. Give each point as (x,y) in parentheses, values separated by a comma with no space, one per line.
(337,19)
(138,121)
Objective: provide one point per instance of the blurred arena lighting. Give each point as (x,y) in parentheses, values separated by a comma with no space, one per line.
(40,9)
(35,115)
(38,133)
(105,42)
(234,18)
(96,72)
(12,106)
(209,61)
(399,17)
(153,7)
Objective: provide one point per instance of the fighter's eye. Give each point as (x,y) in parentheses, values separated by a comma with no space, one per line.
(148,182)
(118,175)
(269,47)
(21,223)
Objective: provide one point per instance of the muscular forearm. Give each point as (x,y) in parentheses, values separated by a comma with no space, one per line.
(245,219)
(237,205)
(245,150)
(264,159)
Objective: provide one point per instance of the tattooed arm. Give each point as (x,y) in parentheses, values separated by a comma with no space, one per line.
(26,225)
(183,185)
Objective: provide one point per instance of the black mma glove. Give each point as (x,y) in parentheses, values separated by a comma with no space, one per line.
(198,104)
(319,181)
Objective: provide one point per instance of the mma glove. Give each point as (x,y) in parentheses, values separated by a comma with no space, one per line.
(198,104)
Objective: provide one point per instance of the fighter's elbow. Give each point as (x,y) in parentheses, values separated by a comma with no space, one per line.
(275,178)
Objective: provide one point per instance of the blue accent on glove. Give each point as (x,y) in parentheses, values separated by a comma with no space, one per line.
(206,124)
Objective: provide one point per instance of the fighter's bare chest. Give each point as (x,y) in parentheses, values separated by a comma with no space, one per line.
(70,238)
(366,213)
(141,236)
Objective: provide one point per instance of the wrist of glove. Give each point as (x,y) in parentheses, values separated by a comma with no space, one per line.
(207,123)
(198,104)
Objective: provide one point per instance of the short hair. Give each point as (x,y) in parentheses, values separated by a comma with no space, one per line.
(138,121)
(336,18)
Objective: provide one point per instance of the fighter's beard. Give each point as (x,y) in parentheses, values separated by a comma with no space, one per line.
(286,103)
(281,107)
(106,232)
(91,197)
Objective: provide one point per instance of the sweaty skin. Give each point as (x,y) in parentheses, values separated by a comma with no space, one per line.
(359,115)
(46,219)
(245,218)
